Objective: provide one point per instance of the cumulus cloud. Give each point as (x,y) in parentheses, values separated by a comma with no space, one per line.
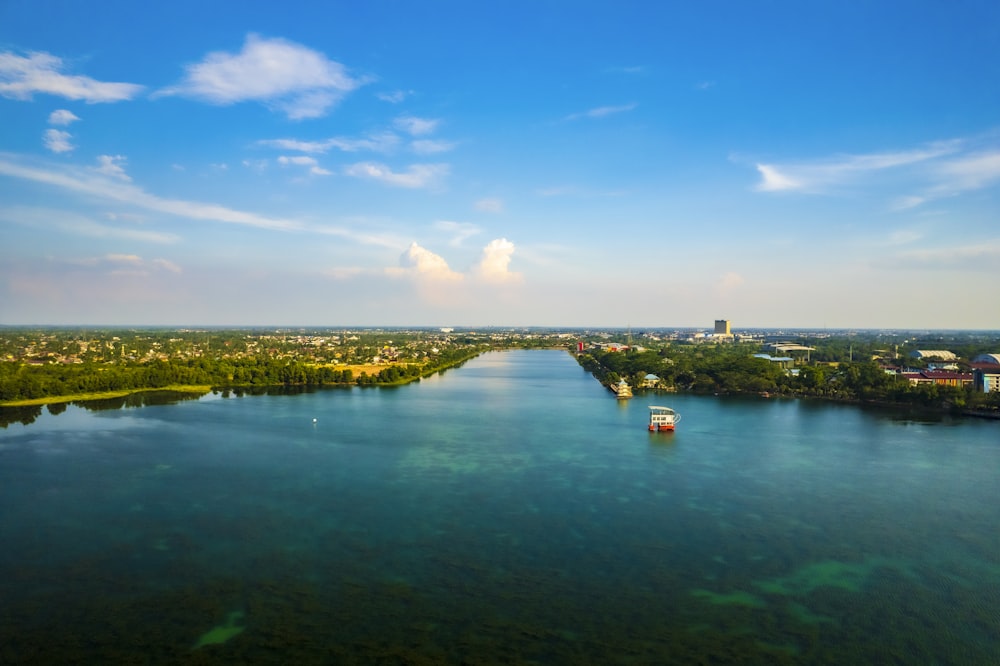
(423,264)
(494,264)
(415,176)
(304,161)
(416,126)
(111,165)
(292,78)
(21,77)
(57,141)
(62,117)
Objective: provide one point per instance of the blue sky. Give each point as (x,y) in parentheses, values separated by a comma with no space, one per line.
(807,164)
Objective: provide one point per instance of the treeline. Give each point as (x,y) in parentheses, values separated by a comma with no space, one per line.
(732,369)
(26,382)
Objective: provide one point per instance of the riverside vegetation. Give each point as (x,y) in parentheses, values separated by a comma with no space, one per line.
(39,366)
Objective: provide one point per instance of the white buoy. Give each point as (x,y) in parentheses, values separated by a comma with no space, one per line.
(314,420)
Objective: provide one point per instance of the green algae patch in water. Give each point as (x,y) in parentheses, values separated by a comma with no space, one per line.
(830,573)
(222,632)
(738,598)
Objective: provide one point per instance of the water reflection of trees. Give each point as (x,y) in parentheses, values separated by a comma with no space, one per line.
(27,414)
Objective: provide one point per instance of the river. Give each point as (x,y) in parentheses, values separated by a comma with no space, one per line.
(506,511)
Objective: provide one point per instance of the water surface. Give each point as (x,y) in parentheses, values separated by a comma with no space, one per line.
(510,510)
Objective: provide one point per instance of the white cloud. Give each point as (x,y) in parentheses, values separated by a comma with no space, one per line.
(820,175)
(425,265)
(602,111)
(489,205)
(977,257)
(428,146)
(131,259)
(416,126)
(969,172)
(111,165)
(58,141)
(394,97)
(166,265)
(775,181)
(80,225)
(62,117)
(383,142)
(260,166)
(96,183)
(302,160)
(21,77)
(494,264)
(416,175)
(299,81)
(459,230)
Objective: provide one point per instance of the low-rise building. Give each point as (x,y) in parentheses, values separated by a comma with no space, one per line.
(987,380)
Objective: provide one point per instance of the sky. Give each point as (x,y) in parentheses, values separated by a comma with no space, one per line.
(586,164)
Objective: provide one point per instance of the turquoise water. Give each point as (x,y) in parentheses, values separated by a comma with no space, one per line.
(508,511)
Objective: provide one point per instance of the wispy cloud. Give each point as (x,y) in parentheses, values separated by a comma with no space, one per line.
(934,171)
(394,97)
(602,111)
(302,160)
(97,183)
(977,257)
(489,205)
(62,117)
(416,175)
(819,175)
(57,141)
(300,82)
(383,142)
(429,146)
(21,77)
(459,230)
(80,225)
(416,126)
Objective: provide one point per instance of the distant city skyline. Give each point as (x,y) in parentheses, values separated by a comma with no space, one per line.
(781,164)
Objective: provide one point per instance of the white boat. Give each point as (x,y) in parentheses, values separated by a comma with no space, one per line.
(662,419)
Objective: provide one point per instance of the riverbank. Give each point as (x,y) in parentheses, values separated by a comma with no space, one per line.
(103,395)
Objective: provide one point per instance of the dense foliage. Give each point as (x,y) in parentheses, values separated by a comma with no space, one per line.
(733,369)
(19,381)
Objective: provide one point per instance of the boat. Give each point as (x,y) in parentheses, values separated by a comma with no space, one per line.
(662,419)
